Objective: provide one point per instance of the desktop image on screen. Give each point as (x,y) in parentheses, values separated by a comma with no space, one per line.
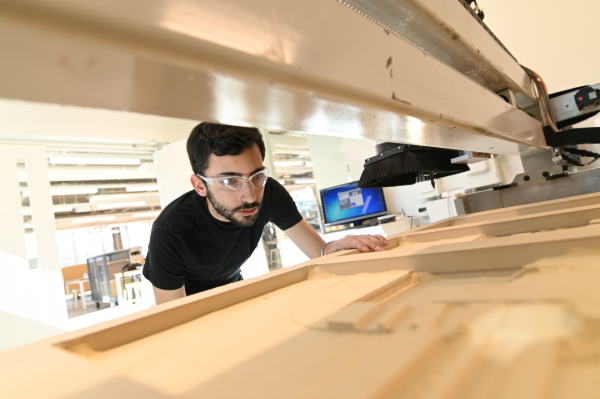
(347,203)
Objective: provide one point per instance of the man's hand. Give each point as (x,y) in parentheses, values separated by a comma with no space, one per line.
(364,243)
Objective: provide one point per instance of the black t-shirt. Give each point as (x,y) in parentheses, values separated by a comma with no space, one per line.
(188,246)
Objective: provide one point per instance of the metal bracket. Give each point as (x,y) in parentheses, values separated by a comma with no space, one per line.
(470,157)
(568,106)
(539,175)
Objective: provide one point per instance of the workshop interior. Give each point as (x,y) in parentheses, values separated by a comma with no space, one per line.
(466,132)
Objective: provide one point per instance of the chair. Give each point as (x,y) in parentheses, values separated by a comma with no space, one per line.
(274,256)
(130,288)
(75,294)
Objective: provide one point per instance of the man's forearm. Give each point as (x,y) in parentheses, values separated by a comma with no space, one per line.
(306,238)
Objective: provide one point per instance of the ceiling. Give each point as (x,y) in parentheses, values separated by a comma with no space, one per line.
(100,163)
(540,34)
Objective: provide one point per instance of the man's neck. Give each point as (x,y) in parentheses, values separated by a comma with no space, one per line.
(214,212)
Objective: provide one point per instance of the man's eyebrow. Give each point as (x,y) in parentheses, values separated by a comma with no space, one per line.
(258,170)
(239,174)
(229,174)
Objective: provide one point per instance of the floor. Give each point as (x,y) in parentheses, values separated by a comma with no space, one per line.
(81,318)
(79,310)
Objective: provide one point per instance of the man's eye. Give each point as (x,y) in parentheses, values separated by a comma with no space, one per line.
(229,182)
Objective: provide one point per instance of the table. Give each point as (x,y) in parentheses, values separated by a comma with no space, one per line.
(79,281)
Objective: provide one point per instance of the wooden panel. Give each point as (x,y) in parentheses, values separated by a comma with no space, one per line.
(500,227)
(449,312)
(469,254)
(563,219)
(523,210)
(174,314)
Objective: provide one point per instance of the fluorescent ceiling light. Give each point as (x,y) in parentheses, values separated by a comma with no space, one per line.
(26,212)
(308,163)
(28,226)
(121,205)
(94,161)
(62,208)
(68,191)
(282,182)
(278,163)
(141,188)
(91,220)
(143,215)
(305,181)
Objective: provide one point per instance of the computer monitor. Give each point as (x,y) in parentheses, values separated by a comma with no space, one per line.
(347,203)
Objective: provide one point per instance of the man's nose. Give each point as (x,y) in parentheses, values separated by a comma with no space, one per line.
(248,194)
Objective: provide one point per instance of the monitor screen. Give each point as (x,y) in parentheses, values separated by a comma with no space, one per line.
(347,203)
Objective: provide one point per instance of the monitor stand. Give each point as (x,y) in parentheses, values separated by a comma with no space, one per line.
(361,224)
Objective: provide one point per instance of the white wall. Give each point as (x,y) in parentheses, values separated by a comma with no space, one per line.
(551,38)
(407,198)
(357,151)
(509,166)
(330,165)
(17,330)
(31,299)
(173,172)
(39,121)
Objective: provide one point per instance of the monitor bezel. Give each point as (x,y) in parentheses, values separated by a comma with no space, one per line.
(356,218)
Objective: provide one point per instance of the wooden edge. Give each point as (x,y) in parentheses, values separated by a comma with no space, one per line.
(392,239)
(447,225)
(105,336)
(436,225)
(475,256)
(523,209)
(516,219)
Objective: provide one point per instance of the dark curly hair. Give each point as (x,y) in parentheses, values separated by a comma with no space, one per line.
(212,138)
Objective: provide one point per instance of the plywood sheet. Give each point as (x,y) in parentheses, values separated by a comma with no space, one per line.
(475,347)
(451,311)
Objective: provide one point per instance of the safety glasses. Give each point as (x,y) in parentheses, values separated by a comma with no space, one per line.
(238,183)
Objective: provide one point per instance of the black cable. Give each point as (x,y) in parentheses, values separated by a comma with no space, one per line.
(581,153)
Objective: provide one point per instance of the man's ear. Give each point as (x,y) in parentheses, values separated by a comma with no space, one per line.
(198,185)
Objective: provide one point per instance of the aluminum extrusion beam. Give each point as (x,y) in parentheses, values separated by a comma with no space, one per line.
(447,31)
(311,66)
(580,183)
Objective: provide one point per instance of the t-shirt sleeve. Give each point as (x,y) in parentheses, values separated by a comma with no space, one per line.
(283,209)
(164,267)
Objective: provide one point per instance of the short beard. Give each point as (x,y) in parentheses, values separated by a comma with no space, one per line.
(229,213)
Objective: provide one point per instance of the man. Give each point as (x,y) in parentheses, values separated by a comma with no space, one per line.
(201,239)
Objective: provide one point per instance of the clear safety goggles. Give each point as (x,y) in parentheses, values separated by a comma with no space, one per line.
(238,183)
